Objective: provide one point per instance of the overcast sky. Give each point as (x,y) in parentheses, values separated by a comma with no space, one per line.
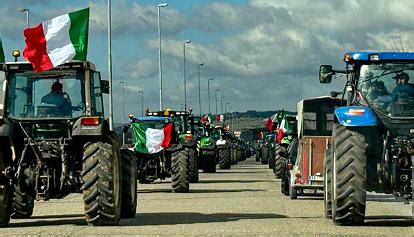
(262,54)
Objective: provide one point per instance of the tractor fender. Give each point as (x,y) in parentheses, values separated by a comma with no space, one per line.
(94,130)
(222,144)
(174,147)
(190,143)
(356,116)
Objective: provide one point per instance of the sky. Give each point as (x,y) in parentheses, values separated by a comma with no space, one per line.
(261,54)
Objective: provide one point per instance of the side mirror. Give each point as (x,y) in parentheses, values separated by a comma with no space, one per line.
(325,73)
(104,87)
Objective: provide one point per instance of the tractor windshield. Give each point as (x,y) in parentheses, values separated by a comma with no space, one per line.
(387,88)
(45,95)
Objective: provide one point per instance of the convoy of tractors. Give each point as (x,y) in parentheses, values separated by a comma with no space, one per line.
(343,147)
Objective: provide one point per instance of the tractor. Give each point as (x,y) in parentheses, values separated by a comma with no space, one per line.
(372,146)
(207,148)
(169,156)
(56,141)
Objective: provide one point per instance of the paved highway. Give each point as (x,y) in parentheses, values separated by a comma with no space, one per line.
(245,200)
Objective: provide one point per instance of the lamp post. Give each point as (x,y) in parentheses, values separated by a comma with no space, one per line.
(225,107)
(222,103)
(27,15)
(123,101)
(142,102)
(208,89)
(111,103)
(216,100)
(159,51)
(185,76)
(199,87)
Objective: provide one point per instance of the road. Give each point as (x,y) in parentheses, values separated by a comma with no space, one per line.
(245,200)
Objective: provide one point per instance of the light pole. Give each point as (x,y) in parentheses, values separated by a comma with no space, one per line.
(208,89)
(27,15)
(222,104)
(185,76)
(123,101)
(216,100)
(159,51)
(142,102)
(225,107)
(111,103)
(199,87)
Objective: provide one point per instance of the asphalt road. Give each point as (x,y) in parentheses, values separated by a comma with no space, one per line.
(245,200)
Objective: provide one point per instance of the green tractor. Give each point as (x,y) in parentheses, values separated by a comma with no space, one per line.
(207,149)
(56,141)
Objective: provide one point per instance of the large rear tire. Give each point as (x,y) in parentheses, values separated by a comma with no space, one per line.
(327,184)
(23,196)
(224,158)
(102,183)
(272,159)
(280,153)
(265,155)
(129,184)
(349,175)
(209,162)
(180,171)
(193,165)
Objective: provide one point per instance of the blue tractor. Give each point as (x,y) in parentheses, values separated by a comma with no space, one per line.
(372,146)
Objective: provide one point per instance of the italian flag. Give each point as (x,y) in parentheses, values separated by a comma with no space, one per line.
(150,141)
(2,59)
(55,41)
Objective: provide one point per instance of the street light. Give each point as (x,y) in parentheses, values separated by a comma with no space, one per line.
(185,76)
(142,102)
(111,103)
(159,51)
(199,90)
(222,104)
(225,107)
(216,100)
(208,88)
(123,101)
(27,15)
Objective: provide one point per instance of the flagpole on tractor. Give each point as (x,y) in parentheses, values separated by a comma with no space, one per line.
(111,104)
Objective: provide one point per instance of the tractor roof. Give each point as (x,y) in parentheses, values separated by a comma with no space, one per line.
(153,118)
(378,56)
(24,65)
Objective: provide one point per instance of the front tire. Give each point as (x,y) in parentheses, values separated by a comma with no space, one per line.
(349,175)
(129,184)
(277,170)
(193,165)
(180,171)
(102,183)
(327,187)
(23,197)
(224,158)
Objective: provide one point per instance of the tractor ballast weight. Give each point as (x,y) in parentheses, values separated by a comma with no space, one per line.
(51,148)
(378,124)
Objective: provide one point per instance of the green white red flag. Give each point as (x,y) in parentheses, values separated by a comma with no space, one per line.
(58,40)
(149,140)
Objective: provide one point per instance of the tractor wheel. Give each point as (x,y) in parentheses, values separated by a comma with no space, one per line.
(349,175)
(129,184)
(5,205)
(193,165)
(233,156)
(327,183)
(23,197)
(271,160)
(180,171)
(257,155)
(209,162)
(224,158)
(293,193)
(277,170)
(265,155)
(102,183)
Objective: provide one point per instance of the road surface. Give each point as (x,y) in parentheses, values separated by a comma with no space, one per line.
(245,200)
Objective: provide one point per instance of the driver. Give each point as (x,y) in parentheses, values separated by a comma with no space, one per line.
(59,98)
(403,87)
